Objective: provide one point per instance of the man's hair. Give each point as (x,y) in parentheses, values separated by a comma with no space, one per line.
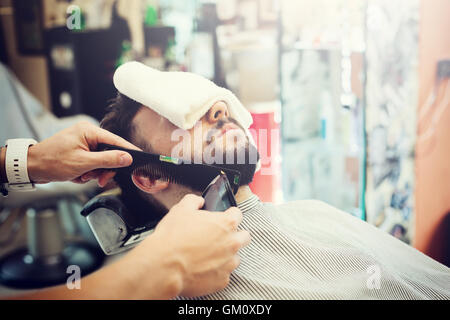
(119,116)
(119,120)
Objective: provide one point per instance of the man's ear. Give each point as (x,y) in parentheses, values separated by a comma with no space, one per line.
(149,185)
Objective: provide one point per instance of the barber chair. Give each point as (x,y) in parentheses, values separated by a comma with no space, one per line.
(56,235)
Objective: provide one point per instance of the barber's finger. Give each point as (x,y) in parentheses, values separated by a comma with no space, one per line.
(232,264)
(107,159)
(233,216)
(104,177)
(98,135)
(191,202)
(89,176)
(243,238)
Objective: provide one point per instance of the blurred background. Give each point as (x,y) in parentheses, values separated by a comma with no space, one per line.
(353,94)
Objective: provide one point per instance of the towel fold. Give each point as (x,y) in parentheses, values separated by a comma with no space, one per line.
(181,97)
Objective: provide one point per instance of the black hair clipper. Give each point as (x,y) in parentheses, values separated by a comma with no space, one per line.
(218,194)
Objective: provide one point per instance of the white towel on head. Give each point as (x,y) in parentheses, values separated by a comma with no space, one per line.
(181,97)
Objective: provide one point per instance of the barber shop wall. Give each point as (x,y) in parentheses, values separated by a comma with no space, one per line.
(30,70)
(391,109)
(432,150)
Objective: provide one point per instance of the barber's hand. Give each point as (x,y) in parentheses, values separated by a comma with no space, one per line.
(198,247)
(67,155)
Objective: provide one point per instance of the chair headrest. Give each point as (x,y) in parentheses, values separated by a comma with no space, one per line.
(114,226)
(110,200)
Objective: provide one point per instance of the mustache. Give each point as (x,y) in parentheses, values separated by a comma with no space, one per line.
(219,125)
(223,122)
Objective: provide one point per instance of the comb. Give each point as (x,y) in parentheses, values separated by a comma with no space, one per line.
(173,170)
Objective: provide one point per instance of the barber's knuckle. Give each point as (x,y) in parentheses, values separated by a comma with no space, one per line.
(234,210)
(246,237)
(231,222)
(225,281)
(235,244)
(235,262)
(236,213)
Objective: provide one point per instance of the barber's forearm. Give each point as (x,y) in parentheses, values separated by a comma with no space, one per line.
(106,283)
(135,276)
(38,164)
(103,284)
(149,272)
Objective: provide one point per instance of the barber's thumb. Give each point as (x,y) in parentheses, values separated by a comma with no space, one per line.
(192,201)
(111,159)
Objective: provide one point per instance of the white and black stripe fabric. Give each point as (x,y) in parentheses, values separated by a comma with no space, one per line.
(310,250)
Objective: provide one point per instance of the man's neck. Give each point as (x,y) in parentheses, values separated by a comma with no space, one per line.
(175,194)
(243,194)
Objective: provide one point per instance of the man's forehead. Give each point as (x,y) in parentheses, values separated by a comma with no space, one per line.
(150,128)
(147,118)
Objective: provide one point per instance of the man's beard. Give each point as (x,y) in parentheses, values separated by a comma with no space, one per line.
(146,206)
(245,157)
(247,171)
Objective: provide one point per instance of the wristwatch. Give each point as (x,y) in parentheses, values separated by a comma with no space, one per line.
(16,164)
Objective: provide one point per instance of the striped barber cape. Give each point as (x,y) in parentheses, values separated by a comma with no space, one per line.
(310,250)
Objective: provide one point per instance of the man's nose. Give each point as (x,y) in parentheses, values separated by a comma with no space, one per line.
(218,111)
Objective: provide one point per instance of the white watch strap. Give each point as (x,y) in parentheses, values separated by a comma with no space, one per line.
(16,164)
